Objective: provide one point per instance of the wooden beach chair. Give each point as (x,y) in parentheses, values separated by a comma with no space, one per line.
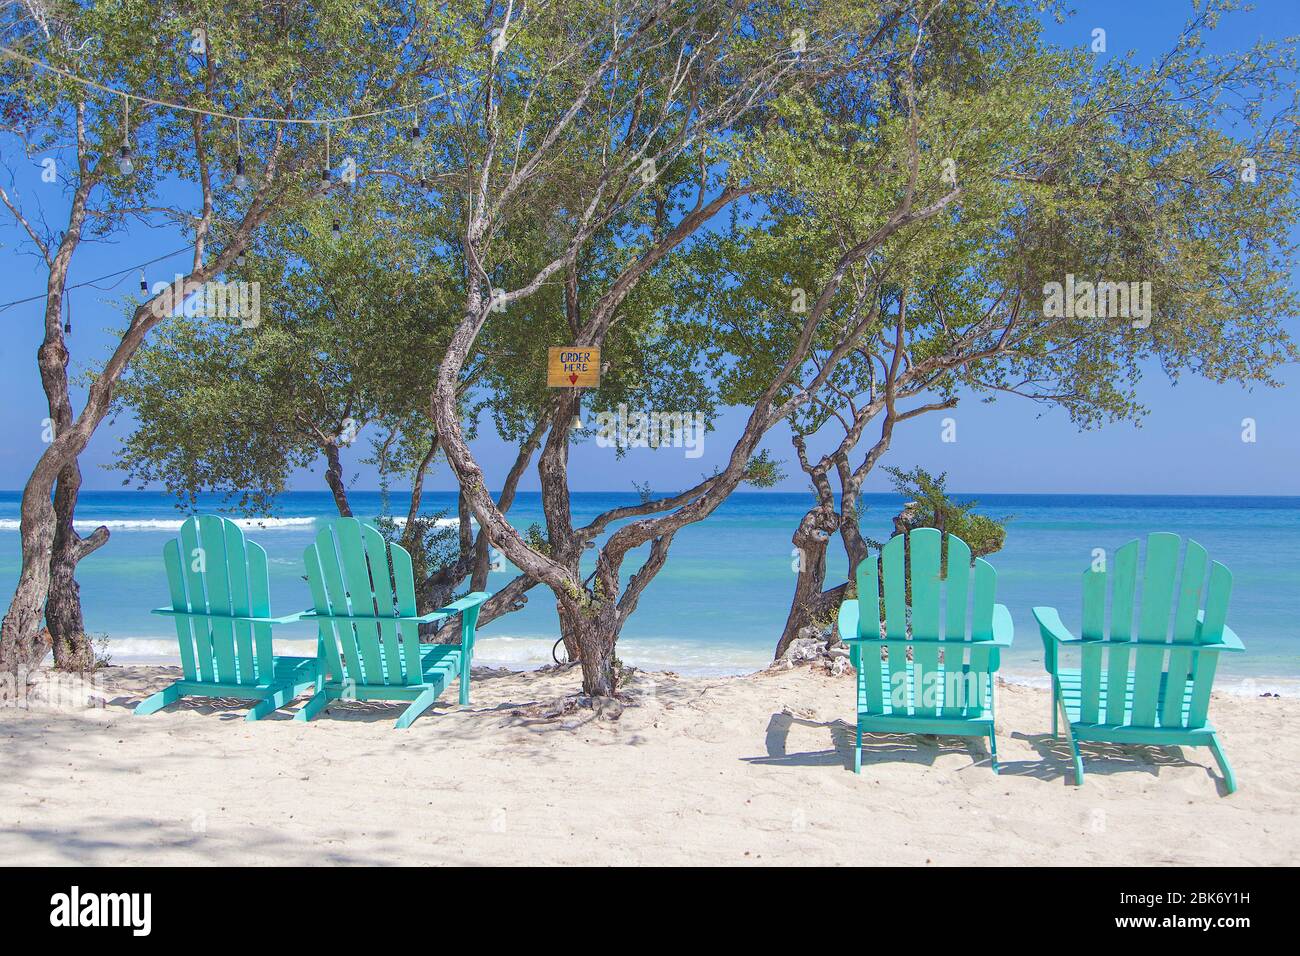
(947,686)
(364,592)
(1152,686)
(221,607)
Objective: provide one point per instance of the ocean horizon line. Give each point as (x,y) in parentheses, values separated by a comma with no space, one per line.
(746,493)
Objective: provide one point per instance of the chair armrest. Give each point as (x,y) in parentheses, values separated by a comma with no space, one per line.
(287,619)
(1049,622)
(921,642)
(465,603)
(1004,629)
(847,622)
(432,617)
(429,618)
(1229,642)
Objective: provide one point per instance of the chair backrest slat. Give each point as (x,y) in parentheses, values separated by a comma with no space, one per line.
(377,557)
(956,615)
(957,590)
(868,579)
(1094,629)
(924,561)
(259,603)
(1216,605)
(193,566)
(339,600)
(404,592)
(1190,585)
(361,597)
(212,535)
(326,632)
(180,602)
(240,602)
(893,579)
(983,660)
(1159,577)
(1204,664)
(1123,586)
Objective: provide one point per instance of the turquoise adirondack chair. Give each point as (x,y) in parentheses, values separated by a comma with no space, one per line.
(221,607)
(364,592)
(947,687)
(1123,692)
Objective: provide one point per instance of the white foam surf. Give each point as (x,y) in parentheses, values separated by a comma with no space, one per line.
(171,524)
(174,524)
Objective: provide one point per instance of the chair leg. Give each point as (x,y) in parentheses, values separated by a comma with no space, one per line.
(168,695)
(1078,762)
(1228,776)
(418,706)
(1055,731)
(993,752)
(318,702)
(269,705)
(857,753)
(1074,747)
(464,684)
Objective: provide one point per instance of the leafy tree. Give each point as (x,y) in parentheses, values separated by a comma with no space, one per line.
(929,506)
(945,152)
(340,352)
(1119,173)
(253,61)
(671,125)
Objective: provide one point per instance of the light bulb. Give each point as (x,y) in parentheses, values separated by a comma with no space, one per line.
(576,424)
(144,284)
(337,229)
(241,181)
(124,163)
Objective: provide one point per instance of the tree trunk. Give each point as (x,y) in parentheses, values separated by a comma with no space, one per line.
(23,642)
(592,632)
(72,648)
(811,539)
(334,478)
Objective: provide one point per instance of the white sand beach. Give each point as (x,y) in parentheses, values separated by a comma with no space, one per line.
(741,770)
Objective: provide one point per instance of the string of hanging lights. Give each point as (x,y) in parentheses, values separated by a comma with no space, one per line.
(327,121)
(240,181)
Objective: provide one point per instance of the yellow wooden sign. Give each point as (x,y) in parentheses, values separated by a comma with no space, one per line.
(572,366)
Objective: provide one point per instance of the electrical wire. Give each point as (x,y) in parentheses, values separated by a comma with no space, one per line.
(91,282)
(219,114)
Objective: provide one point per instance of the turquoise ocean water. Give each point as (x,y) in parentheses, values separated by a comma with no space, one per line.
(719,604)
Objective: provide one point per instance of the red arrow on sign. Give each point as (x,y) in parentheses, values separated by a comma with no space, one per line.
(573,379)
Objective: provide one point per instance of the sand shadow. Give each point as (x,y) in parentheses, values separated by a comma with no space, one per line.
(1107,759)
(921,749)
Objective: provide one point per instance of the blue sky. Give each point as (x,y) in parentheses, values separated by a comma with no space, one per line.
(1190,443)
